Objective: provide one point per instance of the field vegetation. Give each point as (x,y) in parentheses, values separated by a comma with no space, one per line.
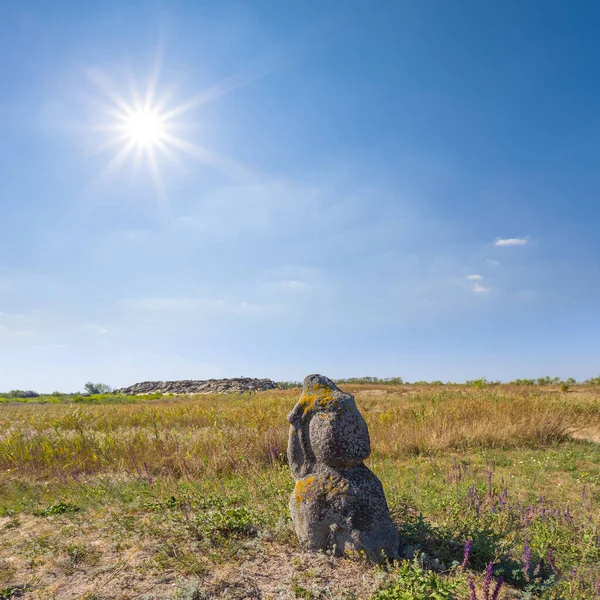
(106,496)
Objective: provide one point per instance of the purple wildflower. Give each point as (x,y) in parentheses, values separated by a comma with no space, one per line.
(489,474)
(471,495)
(551,561)
(527,560)
(496,591)
(488,581)
(473,595)
(504,497)
(273,451)
(148,476)
(467,554)
(598,588)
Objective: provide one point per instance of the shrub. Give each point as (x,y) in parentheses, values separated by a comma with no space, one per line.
(376,380)
(523,382)
(482,382)
(97,388)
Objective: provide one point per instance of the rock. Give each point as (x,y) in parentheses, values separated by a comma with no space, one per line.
(338,504)
(189,386)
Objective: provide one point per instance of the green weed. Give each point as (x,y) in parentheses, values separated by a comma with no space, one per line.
(59,508)
(412,582)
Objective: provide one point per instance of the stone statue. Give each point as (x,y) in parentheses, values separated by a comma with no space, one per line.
(338,504)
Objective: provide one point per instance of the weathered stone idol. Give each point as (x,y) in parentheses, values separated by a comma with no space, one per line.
(338,504)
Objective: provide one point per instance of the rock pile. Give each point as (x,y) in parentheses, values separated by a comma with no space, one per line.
(338,504)
(192,386)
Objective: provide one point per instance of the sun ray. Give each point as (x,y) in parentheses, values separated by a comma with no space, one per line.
(168,152)
(157,180)
(212,93)
(154,78)
(116,163)
(102,82)
(212,159)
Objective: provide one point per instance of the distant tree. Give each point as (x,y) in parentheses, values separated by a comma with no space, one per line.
(571,381)
(97,388)
(22,394)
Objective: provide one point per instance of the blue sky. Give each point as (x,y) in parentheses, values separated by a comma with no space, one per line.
(363,188)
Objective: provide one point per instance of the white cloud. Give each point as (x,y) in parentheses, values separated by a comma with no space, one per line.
(95,328)
(290,285)
(474,277)
(492,262)
(510,242)
(480,289)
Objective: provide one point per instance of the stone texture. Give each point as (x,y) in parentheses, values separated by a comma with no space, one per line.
(190,386)
(338,504)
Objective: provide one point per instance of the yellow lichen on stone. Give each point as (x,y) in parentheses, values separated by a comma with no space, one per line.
(309,488)
(318,396)
(302,489)
(334,487)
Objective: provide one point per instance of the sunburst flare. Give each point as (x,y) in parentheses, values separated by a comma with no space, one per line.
(145,127)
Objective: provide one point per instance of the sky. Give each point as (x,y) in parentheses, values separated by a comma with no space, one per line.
(194,189)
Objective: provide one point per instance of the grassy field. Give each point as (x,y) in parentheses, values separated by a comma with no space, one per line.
(186,497)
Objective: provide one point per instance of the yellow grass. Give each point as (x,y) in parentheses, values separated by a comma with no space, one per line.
(190,436)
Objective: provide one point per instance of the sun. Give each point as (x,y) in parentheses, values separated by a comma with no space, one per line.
(144,127)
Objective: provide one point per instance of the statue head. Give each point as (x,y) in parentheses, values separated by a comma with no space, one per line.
(326,428)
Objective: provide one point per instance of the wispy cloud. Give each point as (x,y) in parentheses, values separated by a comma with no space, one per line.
(474,277)
(197,305)
(480,289)
(292,285)
(50,347)
(174,303)
(510,242)
(492,262)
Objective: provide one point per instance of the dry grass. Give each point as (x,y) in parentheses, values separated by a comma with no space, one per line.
(201,435)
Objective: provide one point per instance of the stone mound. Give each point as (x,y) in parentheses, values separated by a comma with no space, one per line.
(195,386)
